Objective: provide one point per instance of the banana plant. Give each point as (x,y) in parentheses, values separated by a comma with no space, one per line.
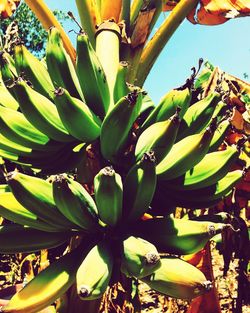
(96,162)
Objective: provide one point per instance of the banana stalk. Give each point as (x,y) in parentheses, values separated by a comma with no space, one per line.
(135,9)
(89,12)
(107,49)
(142,20)
(47,19)
(161,37)
(125,14)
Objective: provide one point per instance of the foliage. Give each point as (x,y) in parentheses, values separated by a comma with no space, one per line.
(32,33)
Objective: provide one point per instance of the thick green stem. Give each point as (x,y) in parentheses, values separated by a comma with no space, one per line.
(125,14)
(89,12)
(161,37)
(135,9)
(142,24)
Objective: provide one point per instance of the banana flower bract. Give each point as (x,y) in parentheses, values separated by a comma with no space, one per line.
(213,12)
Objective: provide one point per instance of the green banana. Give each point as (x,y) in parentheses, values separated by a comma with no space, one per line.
(47,163)
(118,124)
(178,279)
(20,150)
(168,105)
(4,188)
(48,285)
(158,137)
(15,127)
(177,236)
(7,100)
(139,187)
(33,70)
(219,135)
(198,115)
(8,71)
(207,196)
(12,210)
(146,108)
(94,273)
(67,160)
(185,154)
(91,76)
(60,67)
(202,80)
(220,110)
(213,167)
(36,195)
(74,202)
(108,189)
(11,156)
(121,88)
(139,257)
(23,239)
(40,112)
(76,117)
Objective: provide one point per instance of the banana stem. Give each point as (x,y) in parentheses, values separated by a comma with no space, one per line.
(141,26)
(89,12)
(135,9)
(125,14)
(48,19)
(107,49)
(161,37)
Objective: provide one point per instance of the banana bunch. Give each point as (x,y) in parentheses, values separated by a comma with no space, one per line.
(59,117)
(49,111)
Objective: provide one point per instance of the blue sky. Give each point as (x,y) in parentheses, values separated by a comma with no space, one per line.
(226,45)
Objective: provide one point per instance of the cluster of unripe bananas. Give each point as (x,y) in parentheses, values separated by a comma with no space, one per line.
(153,158)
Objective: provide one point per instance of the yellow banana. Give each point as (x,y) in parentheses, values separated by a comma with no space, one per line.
(178,279)
(94,273)
(12,210)
(177,236)
(15,127)
(139,258)
(48,285)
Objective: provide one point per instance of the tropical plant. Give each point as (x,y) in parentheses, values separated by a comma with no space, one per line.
(32,33)
(102,168)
